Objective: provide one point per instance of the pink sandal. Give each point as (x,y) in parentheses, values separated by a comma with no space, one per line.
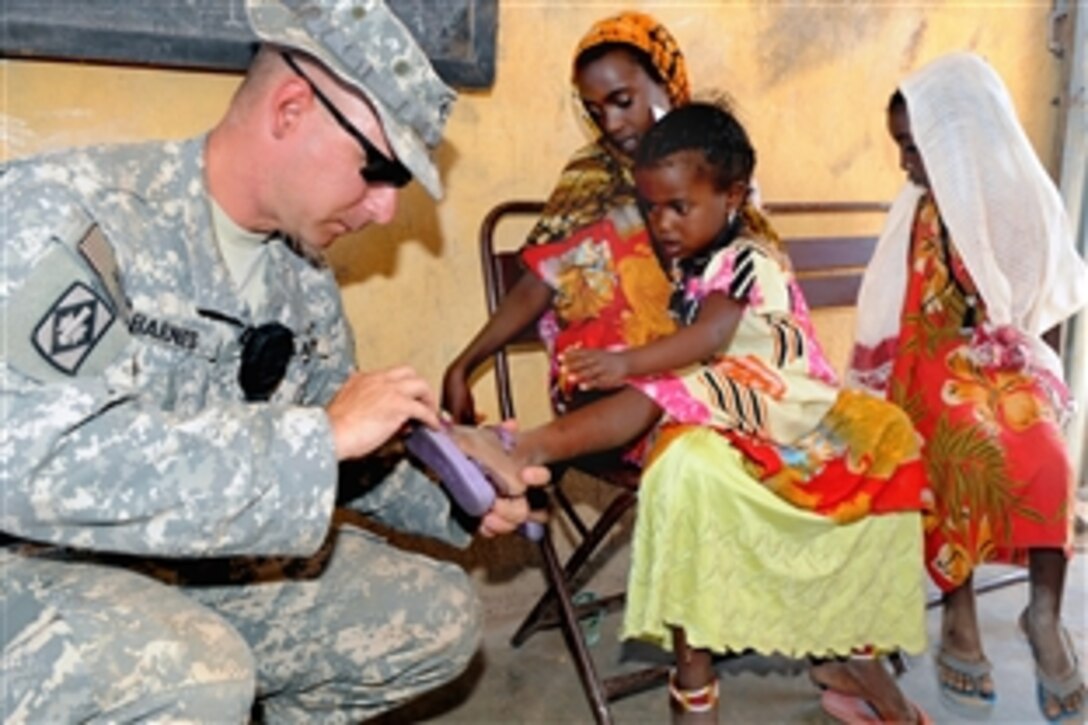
(852,710)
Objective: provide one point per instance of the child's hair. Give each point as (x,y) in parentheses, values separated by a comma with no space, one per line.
(709,128)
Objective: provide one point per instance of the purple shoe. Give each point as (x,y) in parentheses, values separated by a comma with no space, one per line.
(461,477)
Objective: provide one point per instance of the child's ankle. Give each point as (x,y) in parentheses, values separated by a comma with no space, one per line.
(694,701)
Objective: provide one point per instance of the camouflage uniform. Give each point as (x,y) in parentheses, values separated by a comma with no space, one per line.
(151,489)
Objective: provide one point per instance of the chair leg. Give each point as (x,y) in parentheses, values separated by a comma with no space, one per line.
(619,686)
(565,503)
(542,614)
(587,672)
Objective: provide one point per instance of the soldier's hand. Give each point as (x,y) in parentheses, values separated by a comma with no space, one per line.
(510,512)
(372,407)
(504,516)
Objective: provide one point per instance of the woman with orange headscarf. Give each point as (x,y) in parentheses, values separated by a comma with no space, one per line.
(627,71)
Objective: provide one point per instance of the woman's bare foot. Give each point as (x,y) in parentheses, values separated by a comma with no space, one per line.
(1062,683)
(490,447)
(867,679)
(834,675)
(963,672)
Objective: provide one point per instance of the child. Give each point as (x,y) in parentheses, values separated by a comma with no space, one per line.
(975,263)
(742,392)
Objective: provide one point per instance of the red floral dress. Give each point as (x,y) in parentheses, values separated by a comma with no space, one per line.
(993,450)
(610,293)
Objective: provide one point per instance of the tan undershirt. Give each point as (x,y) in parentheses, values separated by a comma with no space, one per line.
(245,254)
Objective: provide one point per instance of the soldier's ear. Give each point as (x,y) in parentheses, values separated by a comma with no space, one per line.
(289,102)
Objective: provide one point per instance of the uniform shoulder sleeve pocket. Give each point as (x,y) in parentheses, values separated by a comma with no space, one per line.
(67,318)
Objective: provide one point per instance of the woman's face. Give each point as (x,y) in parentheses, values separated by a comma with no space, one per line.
(619,96)
(910,159)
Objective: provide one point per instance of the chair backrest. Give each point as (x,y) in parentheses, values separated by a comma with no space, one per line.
(828,267)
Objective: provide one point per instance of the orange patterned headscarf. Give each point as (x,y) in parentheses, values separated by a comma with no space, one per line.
(648,35)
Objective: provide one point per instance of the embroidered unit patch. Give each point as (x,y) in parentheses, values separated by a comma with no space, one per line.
(72,327)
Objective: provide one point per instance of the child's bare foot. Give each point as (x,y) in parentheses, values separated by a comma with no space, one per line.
(490,447)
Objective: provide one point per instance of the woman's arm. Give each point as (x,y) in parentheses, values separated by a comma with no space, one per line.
(711,331)
(522,306)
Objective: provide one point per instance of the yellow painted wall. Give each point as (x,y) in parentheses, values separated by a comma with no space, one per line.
(809,80)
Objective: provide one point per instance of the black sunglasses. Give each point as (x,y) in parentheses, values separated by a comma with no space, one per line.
(379,168)
(266,351)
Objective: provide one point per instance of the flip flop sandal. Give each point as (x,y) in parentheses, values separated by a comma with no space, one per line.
(461,477)
(852,710)
(971,702)
(1058,689)
(464,479)
(590,623)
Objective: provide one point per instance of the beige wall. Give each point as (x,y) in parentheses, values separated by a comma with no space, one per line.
(810,82)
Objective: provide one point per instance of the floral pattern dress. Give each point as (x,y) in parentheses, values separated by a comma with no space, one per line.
(774,395)
(610,292)
(993,450)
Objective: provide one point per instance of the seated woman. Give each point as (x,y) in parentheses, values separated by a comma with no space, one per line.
(628,71)
(758,523)
(975,263)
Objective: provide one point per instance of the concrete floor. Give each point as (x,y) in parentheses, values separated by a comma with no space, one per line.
(538,683)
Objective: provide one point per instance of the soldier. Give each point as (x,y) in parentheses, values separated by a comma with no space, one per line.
(178,387)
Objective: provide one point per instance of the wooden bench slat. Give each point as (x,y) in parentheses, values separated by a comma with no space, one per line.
(815,253)
(839,291)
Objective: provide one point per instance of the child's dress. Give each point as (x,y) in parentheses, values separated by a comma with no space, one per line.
(753,527)
(773,394)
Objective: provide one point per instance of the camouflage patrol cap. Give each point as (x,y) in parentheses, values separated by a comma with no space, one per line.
(365,45)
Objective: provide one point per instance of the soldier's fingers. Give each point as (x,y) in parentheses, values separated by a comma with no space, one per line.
(505,516)
(535,475)
(407,382)
(425,413)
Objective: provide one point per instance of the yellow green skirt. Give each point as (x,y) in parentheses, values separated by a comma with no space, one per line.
(718,554)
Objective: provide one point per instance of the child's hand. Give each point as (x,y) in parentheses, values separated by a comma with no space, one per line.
(595,369)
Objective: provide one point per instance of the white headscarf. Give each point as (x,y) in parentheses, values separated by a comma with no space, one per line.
(1002,210)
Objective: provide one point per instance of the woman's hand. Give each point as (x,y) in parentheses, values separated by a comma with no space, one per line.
(457,396)
(596,369)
